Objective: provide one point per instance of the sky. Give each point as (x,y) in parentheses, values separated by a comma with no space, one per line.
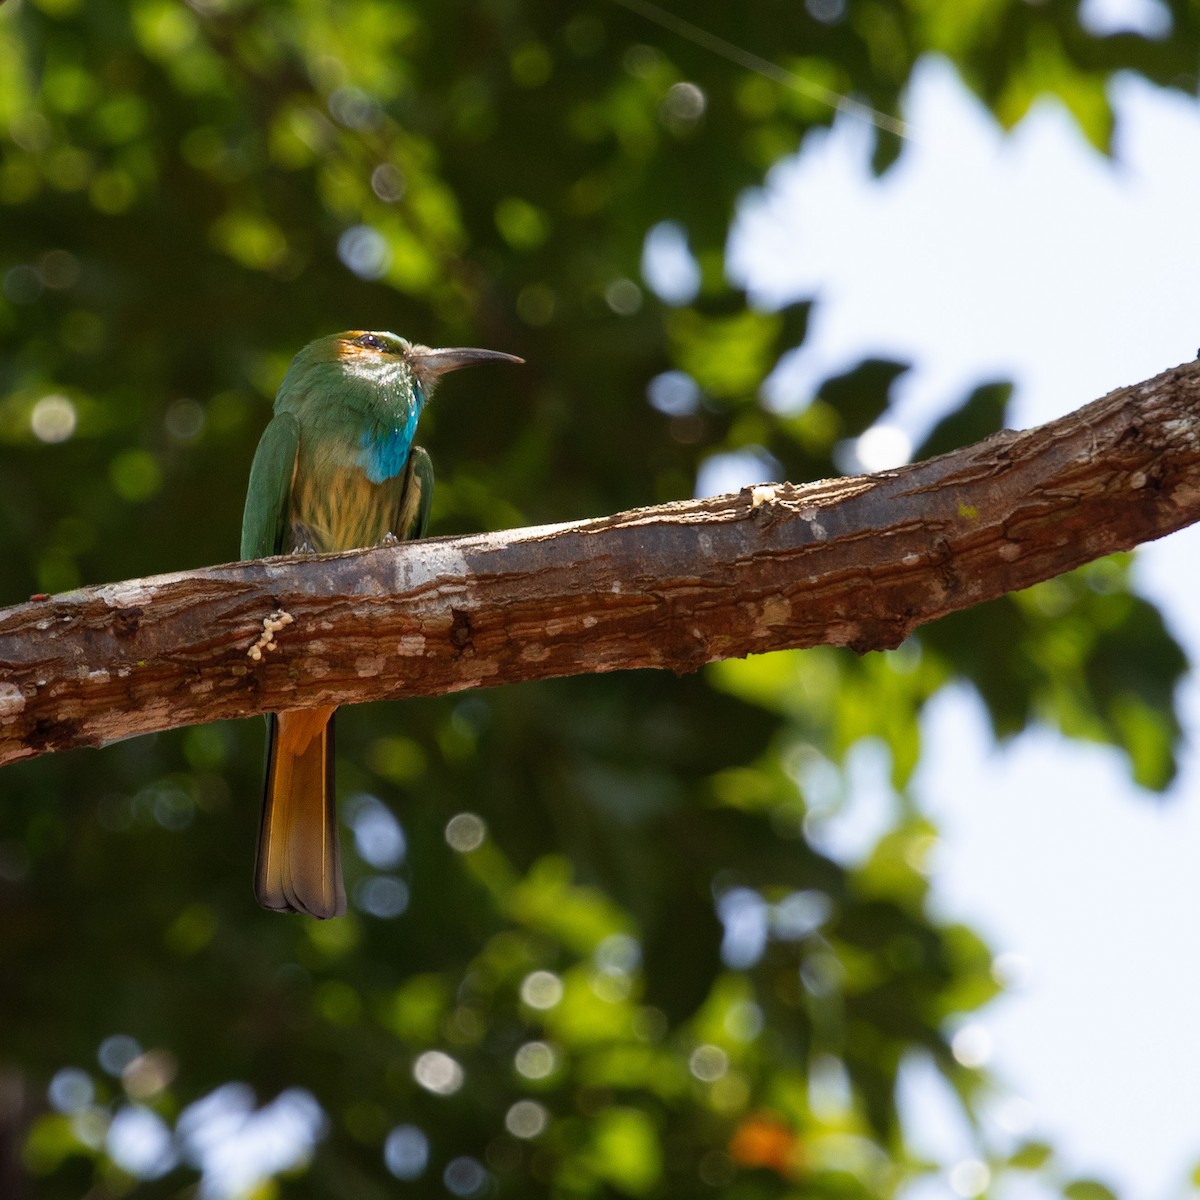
(1030,257)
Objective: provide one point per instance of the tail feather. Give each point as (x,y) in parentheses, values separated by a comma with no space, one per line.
(299,867)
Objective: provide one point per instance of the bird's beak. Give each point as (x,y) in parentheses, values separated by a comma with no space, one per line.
(435,363)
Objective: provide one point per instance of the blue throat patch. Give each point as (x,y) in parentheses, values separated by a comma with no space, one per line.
(384,451)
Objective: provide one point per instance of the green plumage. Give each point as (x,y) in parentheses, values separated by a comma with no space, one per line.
(336,469)
(320,482)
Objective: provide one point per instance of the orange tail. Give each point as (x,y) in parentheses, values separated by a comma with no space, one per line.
(299,868)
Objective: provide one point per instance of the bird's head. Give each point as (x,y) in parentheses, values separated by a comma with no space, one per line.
(391,362)
(368,389)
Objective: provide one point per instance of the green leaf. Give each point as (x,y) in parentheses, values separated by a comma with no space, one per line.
(624,1150)
(1088,1189)
(979,415)
(1031,1156)
(861,396)
(728,357)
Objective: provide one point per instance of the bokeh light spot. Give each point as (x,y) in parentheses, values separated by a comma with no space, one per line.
(972,1046)
(237,1147)
(378,836)
(438,1073)
(382,896)
(406,1152)
(879,448)
(800,914)
(353,108)
(541,989)
(365,251)
(465,1177)
(117,1052)
(731,471)
(90,1126)
(71,1090)
(828,12)
(465,832)
(53,419)
(743,912)
(619,952)
(623,296)
(139,1142)
(388,182)
(682,108)
(22,284)
(184,419)
(969,1178)
(536,1060)
(708,1062)
(668,266)
(149,1074)
(526,1119)
(674,393)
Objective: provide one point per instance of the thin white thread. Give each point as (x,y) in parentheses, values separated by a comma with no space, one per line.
(766,68)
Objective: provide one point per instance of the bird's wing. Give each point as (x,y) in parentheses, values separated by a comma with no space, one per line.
(416,497)
(265,518)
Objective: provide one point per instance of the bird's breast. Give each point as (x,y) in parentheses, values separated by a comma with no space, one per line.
(341,508)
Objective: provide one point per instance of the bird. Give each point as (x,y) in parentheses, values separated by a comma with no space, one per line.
(336,469)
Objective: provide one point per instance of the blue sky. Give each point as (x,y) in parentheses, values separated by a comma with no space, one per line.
(1030,257)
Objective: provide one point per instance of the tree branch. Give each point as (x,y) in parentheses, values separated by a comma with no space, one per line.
(857,562)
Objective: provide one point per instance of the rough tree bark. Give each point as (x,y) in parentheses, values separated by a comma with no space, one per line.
(857,562)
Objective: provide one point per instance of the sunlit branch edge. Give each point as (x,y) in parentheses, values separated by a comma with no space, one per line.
(858,562)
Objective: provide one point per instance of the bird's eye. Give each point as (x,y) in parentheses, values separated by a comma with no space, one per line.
(370,342)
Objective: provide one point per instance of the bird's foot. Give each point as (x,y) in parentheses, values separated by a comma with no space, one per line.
(388,539)
(302,542)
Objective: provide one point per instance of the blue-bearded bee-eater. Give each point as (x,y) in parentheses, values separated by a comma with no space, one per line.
(336,469)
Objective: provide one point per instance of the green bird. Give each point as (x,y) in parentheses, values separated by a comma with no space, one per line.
(336,469)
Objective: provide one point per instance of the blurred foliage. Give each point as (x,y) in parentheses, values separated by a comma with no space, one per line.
(600,944)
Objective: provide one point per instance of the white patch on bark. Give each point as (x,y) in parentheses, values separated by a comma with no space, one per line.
(424,565)
(1182,430)
(12,701)
(819,532)
(130,593)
